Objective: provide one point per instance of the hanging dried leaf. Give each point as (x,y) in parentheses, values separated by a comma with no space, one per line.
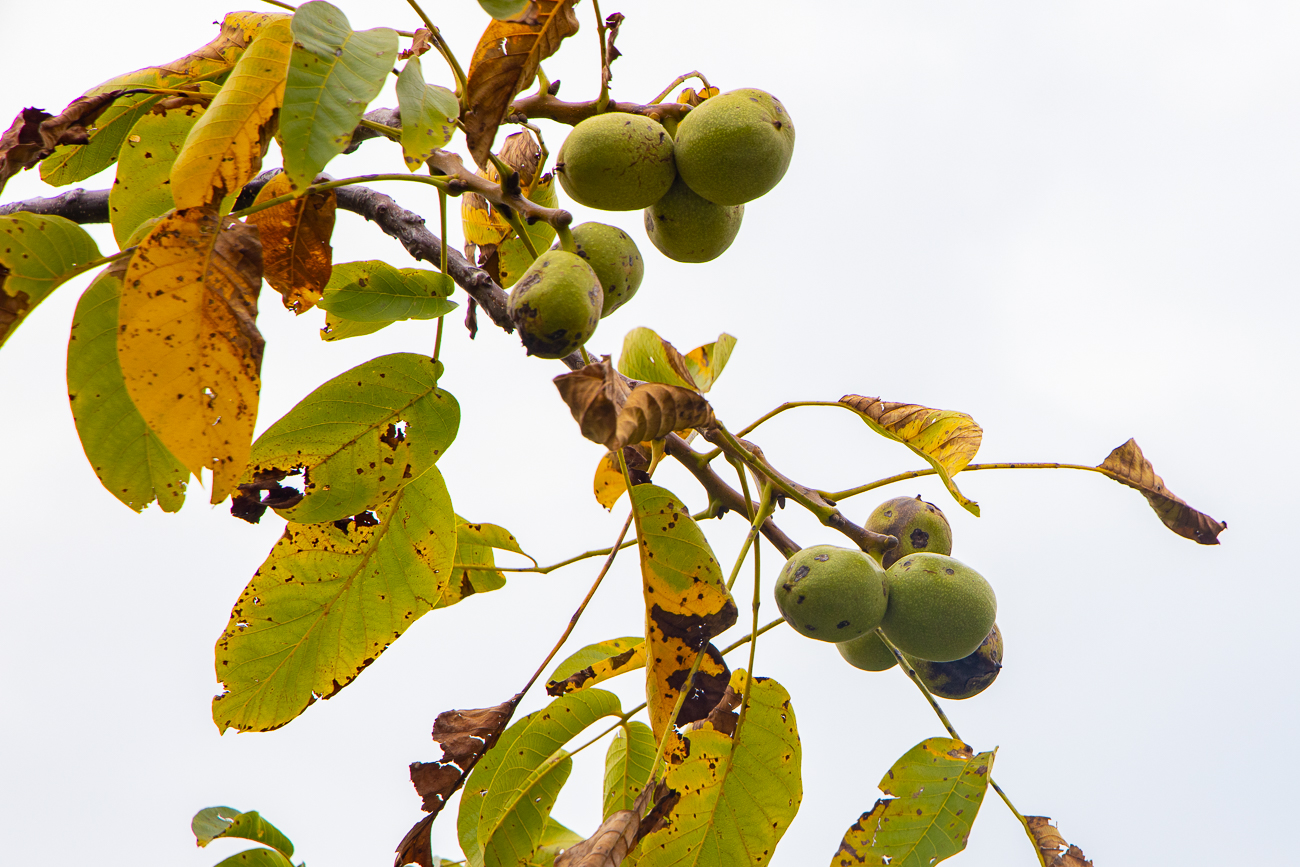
(612,23)
(1128,466)
(504,63)
(35,133)
(1051,843)
(654,410)
(608,846)
(296,254)
(592,407)
(188,342)
(948,440)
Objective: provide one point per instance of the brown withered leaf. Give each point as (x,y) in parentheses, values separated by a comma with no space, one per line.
(422,42)
(1128,466)
(296,254)
(504,63)
(1051,843)
(35,133)
(654,410)
(608,846)
(612,23)
(584,392)
(465,736)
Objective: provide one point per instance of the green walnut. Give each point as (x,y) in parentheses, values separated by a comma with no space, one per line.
(940,609)
(920,527)
(616,162)
(556,304)
(831,594)
(965,677)
(867,652)
(613,255)
(733,148)
(687,227)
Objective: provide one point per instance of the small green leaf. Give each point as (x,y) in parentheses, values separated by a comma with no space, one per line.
(337,328)
(360,437)
(627,766)
(428,114)
(213,822)
(937,789)
(334,73)
(647,356)
(705,362)
(128,457)
(36,255)
(329,599)
(476,570)
(256,858)
(596,663)
(505,10)
(374,291)
(508,798)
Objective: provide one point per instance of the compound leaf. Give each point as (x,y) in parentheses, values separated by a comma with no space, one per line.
(37,254)
(329,599)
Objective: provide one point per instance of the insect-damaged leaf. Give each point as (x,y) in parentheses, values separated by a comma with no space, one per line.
(71,163)
(1056,851)
(428,114)
(328,601)
(504,63)
(627,766)
(509,796)
(937,788)
(1128,466)
(333,75)
(36,255)
(476,570)
(214,822)
(224,148)
(738,793)
(359,438)
(686,603)
(596,663)
(374,291)
(128,457)
(947,440)
(296,252)
(188,342)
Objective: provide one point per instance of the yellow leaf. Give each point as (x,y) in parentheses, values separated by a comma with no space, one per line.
(225,147)
(297,256)
(188,342)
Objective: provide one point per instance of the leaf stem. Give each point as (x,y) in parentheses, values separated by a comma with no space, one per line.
(622,721)
(687,685)
(442,264)
(681,79)
(752,635)
(445,50)
(766,507)
(95,263)
(969,468)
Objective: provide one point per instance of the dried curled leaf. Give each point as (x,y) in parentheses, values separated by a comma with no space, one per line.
(654,410)
(948,440)
(1128,466)
(608,846)
(592,407)
(1056,852)
(35,133)
(505,62)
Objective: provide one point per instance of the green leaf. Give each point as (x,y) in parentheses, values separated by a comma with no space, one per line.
(428,114)
(596,663)
(476,570)
(738,795)
(337,328)
(327,602)
(213,822)
(127,455)
(360,437)
(627,766)
(705,362)
(555,839)
(374,291)
(938,786)
(508,798)
(36,255)
(256,858)
(334,73)
(505,10)
(141,190)
(647,356)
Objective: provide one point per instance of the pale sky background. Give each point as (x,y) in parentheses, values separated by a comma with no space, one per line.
(1075,221)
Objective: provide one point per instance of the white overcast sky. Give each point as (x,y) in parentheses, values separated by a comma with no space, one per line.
(1075,221)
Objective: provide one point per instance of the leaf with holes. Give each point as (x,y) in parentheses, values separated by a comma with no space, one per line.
(1056,851)
(508,799)
(596,663)
(359,438)
(188,342)
(374,291)
(686,603)
(504,63)
(127,455)
(428,114)
(937,789)
(329,599)
(297,256)
(333,75)
(37,254)
(627,766)
(476,570)
(71,163)
(224,148)
(1128,466)
(947,440)
(212,823)
(738,793)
